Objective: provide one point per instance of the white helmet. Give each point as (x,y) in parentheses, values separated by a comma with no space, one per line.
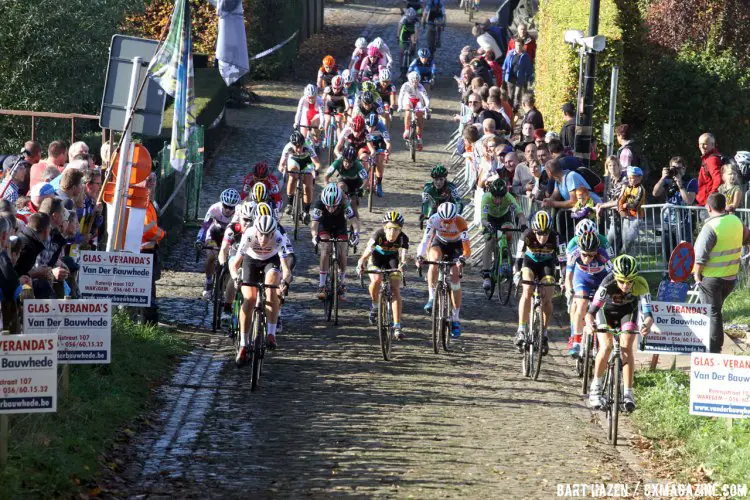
(586,226)
(347,76)
(447,210)
(331,195)
(378,42)
(230,197)
(385,75)
(311,90)
(361,43)
(265,224)
(411,14)
(413,77)
(246,210)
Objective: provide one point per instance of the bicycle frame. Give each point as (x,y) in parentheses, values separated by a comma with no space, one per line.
(442,307)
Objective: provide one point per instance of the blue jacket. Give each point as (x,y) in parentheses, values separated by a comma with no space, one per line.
(524,69)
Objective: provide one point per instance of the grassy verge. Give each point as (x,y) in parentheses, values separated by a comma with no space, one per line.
(54,455)
(689,444)
(737,307)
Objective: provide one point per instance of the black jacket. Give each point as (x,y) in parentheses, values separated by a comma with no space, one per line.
(568,133)
(31,247)
(8,277)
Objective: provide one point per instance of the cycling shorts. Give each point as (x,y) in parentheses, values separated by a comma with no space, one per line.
(451,250)
(312,113)
(352,186)
(379,144)
(540,269)
(255,270)
(336,106)
(380,261)
(623,316)
(416,104)
(334,233)
(586,283)
(435,15)
(498,222)
(302,165)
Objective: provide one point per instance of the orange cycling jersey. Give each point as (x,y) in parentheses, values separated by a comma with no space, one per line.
(446,231)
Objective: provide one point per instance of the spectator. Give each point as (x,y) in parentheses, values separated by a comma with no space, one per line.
(535,169)
(500,35)
(33,155)
(568,186)
(628,153)
(152,236)
(568,130)
(70,190)
(531,114)
(57,156)
(517,72)
(507,108)
(486,167)
(529,153)
(39,193)
(475,107)
(14,183)
(76,149)
(630,209)
(709,176)
(482,68)
(731,186)
(105,154)
(50,174)
(32,237)
(498,115)
(616,182)
(10,284)
(551,136)
(495,67)
(539,134)
(717,261)
(508,170)
(486,41)
(528,42)
(464,83)
(523,181)
(527,134)
(680,191)
(92,214)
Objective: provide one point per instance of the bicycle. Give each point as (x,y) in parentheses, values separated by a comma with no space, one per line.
(385,308)
(406,57)
(434,34)
(332,132)
(331,301)
(221,275)
(259,332)
(411,142)
(585,362)
(370,186)
(501,274)
(297,203)
(441,307)
(531,363)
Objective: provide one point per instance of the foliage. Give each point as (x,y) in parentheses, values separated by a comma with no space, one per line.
(663,417)
(737,306)
(557,64)
(52,455)
(54,58)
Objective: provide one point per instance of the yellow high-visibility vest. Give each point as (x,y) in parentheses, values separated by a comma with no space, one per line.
(724,258)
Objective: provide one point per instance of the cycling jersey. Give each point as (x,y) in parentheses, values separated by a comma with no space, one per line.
(432,197)
(358,141)
(603,243)
(440,231)
(529,246)
(413,97)
(306,111)
(406,29)
(369,69)
(357,56)
(356,171)
(215,213)
(435,10)
(609,295)
(278,244)
(378,135)
(385,51)
(386,92)
(359,108)
(271,183)
(490,208)
(380,244)
(427,71)
(327,76)
(290,153)
(597,265)
(336,101)
(333,222)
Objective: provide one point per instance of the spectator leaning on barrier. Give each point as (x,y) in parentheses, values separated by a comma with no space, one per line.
(568,187)
(10,284)
(680,191)
(568,130)
(709,175)
(629,207)
(32,238)
(717,262)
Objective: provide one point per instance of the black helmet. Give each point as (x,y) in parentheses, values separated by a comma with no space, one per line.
(367,97)
(297,139)
(499,188)
(350,153)
(371,120)
(588,242)
(439,171)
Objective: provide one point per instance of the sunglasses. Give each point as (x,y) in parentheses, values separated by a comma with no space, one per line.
(590,255)
(541,233)
(624,282)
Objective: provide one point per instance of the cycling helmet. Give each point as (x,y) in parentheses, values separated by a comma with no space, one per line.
(438,171)
(337,82)
(393,217)
(329,61)
(625,268)
(349,153)
(424,53)
(347,76)
(499,188)
(541,222)
(358,124)
(262,209)
(260,192)
(371,120)
(331,195)
(413,77)
(373,51)
(385,75)
(261,170)
(247,211)
(368,86)
(411,14)
(230,197)
(311,90)
(588,242)
(297,139)
(265,224)
(447,210)
(367,97)
(377,43)
(361,43)
(585,226)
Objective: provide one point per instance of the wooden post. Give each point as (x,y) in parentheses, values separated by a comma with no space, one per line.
(4,435)
(72,130)
(654,362)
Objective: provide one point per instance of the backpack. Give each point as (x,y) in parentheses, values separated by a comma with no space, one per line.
(593,180)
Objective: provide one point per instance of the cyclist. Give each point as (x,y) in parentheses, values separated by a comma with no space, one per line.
(351,87)
(359,53)
(330,217)
(536,259)
(417,5)
(262,173)
(439,191)
(588,226)
(217,217)
(336,103)
(384,50)
(354,135)
(309,113)
(379,145)
(299,159)
(407,34)
(327,71)
(263,254)
(387,93)
(498,209)
(586,267)
(413,98)
(447,237)
(367,101)
(386,249)
(616,305)
(425,66)
(352,174)
(434,12)
(371,65)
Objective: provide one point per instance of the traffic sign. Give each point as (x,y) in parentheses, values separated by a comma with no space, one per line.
(681,262)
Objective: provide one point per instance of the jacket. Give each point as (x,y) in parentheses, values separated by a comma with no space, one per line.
(524,69)
(152,233)
(31,247)
(568,133)
(719,246)
(709,176)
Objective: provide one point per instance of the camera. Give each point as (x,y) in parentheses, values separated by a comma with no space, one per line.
(673,172)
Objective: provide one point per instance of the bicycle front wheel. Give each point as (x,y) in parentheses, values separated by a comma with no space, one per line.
(296,212)
(587,363)
(614,407)
(371,190)
(384,326)
(335,298)
(413,143)
(218,296)
(436,319)
(494,274)
(256,356)
(445,335)
(536,345)
(234,327)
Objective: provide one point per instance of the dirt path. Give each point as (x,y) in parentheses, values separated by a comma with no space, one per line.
(331,418)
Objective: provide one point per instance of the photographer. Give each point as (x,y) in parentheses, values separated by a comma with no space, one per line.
(680,191)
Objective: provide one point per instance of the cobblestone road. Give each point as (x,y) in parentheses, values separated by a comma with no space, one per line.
(331,418)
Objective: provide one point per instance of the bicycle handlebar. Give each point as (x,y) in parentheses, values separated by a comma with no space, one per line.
(536,282)
(440,262)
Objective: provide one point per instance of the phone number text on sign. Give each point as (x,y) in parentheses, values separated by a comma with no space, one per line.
(28,374)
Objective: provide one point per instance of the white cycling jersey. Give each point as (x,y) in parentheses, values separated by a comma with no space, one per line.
(278,244)
(384,51)
(216,213)
(303,110)
(409,91)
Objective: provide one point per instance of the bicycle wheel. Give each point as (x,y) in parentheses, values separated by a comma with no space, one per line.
(371,189)
(327,302)
(445,335)
(614,409)
(586,364)
(296,207)
(234,327)
(331,138)
(384,326)
(505,283)
(526,360)
(436,319)
(536,344)
(413,141)
(218,297)
(494,274)
(335,291)
(256,357)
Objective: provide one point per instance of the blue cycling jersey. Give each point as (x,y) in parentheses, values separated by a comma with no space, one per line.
(426,71)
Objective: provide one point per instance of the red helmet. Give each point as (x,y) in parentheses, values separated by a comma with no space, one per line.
(337,82)
(358,124)
(261,170)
